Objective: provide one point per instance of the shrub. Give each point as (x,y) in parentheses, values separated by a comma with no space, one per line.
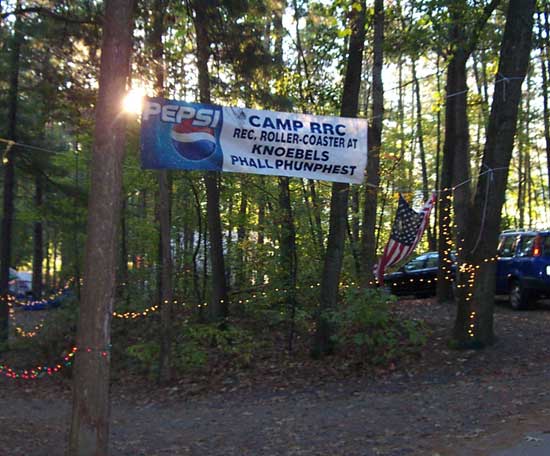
(196,346)
(57,336)
(366,328)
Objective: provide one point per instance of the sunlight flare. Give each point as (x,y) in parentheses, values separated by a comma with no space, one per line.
(133,101)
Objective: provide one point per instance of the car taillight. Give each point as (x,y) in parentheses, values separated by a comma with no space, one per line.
(537,246)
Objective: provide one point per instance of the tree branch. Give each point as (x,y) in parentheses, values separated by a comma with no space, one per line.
(480,23)
(46,12)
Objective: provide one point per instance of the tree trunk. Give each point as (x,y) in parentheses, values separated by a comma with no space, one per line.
(241,274)
(323,344)
(9,181)
(528,176)
(368,246)
(474,320)
(455,147)
(229,242)
(455,170)
(309,211)
(123,276)
(287,229)
(520,202)
(420,135)
(38,241)
(261,218)
(76,223)
(317,215)
(166,288)
(354,230)
(48,278)
(55,249)
(89,433)
(196,251)
(544,60)
(437,155)
(219,305)
(289,266)
(400,97)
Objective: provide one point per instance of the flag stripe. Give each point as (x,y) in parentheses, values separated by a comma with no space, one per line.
(407,231)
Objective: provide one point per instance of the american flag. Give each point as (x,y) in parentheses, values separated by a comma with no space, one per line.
(407,231)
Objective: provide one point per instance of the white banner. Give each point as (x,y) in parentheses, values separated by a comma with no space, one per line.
(181,135)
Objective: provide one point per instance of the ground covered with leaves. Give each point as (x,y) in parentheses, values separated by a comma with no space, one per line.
(425,400)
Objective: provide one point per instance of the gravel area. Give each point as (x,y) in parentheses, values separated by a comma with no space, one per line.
(446,402)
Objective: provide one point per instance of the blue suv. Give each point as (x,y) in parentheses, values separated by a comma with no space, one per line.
(523,266)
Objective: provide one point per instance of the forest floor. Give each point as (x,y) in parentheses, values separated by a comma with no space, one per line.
(443,402)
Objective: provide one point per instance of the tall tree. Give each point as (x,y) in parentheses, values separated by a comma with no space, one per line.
(476,278)
(38,241)
(166,294)
(9,179)
(462,40)
(545,62)
(241,276)
(323,344)
(288,256)
(375,143)
(219,305)
(289,260)
(421,149)
(90,413)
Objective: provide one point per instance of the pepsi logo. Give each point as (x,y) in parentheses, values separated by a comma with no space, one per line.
(193,142)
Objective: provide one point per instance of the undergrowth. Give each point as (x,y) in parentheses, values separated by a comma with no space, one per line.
(367,333)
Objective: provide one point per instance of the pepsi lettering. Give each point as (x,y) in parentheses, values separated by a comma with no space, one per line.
(171,113)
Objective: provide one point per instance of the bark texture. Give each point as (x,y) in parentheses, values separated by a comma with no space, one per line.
(455,168)
(474,320)
(38,241)
(219,306)
(166,293)
(89,433)
(9,181)
(375,141)
(322,344)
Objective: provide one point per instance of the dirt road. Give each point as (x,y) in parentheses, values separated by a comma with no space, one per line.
(449,403)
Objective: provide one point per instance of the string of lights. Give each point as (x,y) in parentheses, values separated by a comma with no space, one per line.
(41,371)
(44,371)
(469,269)
(464,268)
(22,332)
(44,302)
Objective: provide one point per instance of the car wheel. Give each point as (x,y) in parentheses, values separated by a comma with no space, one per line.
(519,298)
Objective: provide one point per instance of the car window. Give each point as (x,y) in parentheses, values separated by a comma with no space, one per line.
(546,246)
(526,245)
(432,261)
(417,263)
(506,246)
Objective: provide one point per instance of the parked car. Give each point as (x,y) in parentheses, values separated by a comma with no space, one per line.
(523,266)
(418,277)
(20,283)
(522,273)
